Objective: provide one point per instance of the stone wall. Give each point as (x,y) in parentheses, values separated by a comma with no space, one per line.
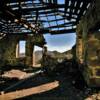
(93,50)
(8,46)
(8,49)
(88,44)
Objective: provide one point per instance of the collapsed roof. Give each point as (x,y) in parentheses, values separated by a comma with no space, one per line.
(41,16)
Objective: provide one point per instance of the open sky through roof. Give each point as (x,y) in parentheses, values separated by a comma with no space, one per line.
(61,42)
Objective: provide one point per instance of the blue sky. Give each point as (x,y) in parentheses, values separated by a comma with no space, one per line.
(61,1)
(61,43)
(22,46)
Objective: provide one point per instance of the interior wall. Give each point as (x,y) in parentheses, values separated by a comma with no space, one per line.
(93,51)
(8,50)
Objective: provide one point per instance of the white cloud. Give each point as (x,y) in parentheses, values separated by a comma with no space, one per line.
(37,48)
(61,42)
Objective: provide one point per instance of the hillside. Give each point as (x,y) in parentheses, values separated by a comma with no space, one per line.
(55,54)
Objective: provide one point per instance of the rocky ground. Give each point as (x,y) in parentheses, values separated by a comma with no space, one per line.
(65,84)
(67,89)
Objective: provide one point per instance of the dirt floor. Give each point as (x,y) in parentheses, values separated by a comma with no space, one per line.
(44,87)
(15,74)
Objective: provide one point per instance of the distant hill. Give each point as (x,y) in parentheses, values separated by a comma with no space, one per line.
(38,55)
(55,54)
(22,55)
(67,52)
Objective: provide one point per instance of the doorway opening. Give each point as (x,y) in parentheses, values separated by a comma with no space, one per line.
(37,56)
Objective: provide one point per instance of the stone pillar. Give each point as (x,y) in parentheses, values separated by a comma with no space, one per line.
(44,51)
(29,52)
(44,57)
(33,58)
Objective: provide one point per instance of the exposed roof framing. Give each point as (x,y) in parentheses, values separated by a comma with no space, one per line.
(41,16)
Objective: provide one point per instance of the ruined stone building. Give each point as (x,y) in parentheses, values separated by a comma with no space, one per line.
(9,51)
(28,20)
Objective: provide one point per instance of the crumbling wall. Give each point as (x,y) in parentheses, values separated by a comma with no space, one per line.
(88,44)
(93,50)
(8,49)
(29,51)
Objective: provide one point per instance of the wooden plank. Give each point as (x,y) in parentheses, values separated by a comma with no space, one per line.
(29,91)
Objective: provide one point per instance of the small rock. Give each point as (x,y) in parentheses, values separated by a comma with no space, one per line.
(89,98)
(94,96)
(98,96)
(2,92)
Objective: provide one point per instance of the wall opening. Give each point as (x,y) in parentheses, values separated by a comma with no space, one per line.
(37,56)
(21,49)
